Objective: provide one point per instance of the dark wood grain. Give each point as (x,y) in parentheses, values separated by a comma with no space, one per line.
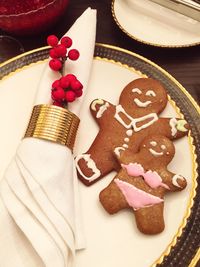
(182,63)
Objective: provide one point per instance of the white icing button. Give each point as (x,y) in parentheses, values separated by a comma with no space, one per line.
(125,145)
(129,132)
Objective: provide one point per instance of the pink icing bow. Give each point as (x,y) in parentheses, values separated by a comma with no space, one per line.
(152,178)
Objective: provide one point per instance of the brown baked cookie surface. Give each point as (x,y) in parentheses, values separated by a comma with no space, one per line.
(126,125)
(142,182)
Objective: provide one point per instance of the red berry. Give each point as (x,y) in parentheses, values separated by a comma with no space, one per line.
(55,64)
(70,77)
(60,50)
(73,54)
(64,82)
(76,85)
(66,41)
(52,53)
(70,96)
(52,40)
(58,94)
(57,103)
(56,84)
(79,93)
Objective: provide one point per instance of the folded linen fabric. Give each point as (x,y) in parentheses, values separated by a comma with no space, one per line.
(39,189)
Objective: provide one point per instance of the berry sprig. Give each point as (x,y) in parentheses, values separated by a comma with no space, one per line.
(68,87)
(65,90)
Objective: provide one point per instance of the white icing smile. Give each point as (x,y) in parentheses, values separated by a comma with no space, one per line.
(155,153)
(141,104)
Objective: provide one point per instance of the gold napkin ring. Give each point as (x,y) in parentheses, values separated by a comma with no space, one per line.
(54,124)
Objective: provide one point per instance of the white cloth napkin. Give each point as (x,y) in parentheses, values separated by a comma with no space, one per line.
(39,188)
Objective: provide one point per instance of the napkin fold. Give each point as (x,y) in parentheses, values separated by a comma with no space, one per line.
(39,189)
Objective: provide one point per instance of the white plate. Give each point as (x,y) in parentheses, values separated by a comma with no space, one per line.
(112,241)
(153,24)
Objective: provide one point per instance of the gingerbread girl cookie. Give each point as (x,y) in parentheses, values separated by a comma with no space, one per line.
(126,125)
(142,182)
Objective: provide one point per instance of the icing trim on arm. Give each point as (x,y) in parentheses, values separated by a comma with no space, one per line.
(95,102)
(90,164)
(102,109)
(181,125)
(173,123)
(177,125)
(175,178)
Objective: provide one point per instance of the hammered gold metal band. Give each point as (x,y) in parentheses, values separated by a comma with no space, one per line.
(53,123)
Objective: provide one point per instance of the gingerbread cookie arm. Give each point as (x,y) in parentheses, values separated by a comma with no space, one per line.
(91,166)
(150,220)
(173,128)
(98,107)
(174,181)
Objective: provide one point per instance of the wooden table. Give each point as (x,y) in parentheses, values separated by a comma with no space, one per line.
(182,63)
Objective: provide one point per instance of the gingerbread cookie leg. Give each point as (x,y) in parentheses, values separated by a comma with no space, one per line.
(112,199)
(91,167)
(150,220)
(99,160)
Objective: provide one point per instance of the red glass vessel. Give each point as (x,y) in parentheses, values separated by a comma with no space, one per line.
(29,17)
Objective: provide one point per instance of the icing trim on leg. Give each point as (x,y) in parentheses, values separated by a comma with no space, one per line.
(90,164)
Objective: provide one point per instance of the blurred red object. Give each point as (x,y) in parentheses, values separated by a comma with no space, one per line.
(30,16)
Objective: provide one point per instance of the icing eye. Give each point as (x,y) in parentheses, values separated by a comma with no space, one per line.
(136,90)
(163,147)
(153,143)
(150,93)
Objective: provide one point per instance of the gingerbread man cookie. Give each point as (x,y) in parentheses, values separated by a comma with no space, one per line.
(126,125)
(142,182)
